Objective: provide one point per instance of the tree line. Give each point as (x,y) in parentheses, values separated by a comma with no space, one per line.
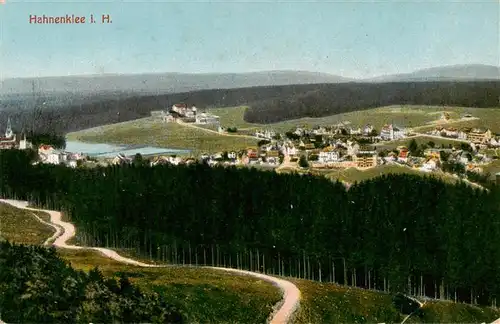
(37,286)
(395,233)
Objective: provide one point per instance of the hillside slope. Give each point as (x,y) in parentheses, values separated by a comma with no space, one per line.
(267,104)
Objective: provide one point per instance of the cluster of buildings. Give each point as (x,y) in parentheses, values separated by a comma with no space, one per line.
(47,154)
(11,141)
(388,132)
(477,136)
(186,114)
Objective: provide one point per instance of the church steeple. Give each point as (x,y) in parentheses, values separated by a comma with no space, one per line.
(8,131)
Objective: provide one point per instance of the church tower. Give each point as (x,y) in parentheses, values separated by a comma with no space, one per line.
(8,131)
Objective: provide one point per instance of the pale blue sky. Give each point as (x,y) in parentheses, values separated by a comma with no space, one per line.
(348,38)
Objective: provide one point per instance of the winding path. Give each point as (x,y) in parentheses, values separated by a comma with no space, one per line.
(284,310)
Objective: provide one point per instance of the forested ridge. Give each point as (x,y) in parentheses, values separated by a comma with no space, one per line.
(397,233)
(267,104)
(37,286)
(331,99)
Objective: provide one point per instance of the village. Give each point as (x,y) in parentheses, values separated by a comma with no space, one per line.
(316,148)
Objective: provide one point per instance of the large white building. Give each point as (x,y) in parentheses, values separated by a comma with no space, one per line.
(50,155)
(328,156)
(207,119)
(391,133)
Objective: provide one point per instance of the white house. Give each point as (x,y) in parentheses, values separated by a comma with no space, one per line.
(319,131)
(429,166)
(232,155)
(292,151)
(24,144)
(355,131)
(352,149)
(168,118)
(494,142)
(391,132)
(329,156)
(53,157)
(367,130)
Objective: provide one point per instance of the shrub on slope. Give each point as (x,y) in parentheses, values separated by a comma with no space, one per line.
(36,286)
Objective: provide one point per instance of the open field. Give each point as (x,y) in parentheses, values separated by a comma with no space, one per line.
(401,115)
(147,131)
(488,118)
(406,116)
(419,139)
(20,226)
(332,303)
(449,312)
(207,296)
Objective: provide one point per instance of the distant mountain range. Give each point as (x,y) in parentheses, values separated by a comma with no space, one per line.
(165,83)
(472,72)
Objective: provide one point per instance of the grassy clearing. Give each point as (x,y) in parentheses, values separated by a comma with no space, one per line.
(448,312)
(419,139)
(233,117)
(148,131)
(332,303)
(407,116)
(207,296)
(488,118)
(20,226)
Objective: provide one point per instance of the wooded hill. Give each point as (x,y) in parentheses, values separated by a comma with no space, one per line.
(333,99)
(397,233)
(267,104)
(37,286)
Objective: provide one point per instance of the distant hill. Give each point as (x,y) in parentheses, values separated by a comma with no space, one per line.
(331,99)
(267,104)
(470,72)
(162,83)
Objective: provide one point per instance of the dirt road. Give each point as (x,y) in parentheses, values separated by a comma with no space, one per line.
(65,231)
(287,164)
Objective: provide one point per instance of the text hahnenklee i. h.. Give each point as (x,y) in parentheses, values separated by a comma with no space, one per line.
(68,19)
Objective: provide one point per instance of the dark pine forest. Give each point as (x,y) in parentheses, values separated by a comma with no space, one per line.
(396,233)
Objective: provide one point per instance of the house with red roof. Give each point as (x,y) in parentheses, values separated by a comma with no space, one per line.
(403,155)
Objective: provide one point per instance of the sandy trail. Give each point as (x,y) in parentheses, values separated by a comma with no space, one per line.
(285,309)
